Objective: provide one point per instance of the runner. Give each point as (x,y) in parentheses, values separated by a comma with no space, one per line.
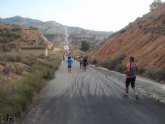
(85,63)
(69,61)
(131,69)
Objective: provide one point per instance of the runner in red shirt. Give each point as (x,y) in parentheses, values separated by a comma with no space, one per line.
(131,69)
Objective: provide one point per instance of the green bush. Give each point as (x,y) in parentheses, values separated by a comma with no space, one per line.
(29,60)
(107,64)
(18,70)
(114,63)
(120,68)
(158,75)
(21,92)
(10,57)
(141,70)
(85,45)
(42,70)
(94,61)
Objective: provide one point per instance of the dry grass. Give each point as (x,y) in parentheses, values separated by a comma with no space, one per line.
(31,70)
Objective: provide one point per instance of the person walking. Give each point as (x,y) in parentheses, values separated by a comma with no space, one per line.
(69,61)
(85,63)
(131,70)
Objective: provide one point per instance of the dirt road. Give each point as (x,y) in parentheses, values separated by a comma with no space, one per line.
(95,97)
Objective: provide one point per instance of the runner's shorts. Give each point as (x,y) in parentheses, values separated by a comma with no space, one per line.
(130,80)
(69,66)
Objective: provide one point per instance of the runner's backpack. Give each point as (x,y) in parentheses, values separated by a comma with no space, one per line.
(132,70)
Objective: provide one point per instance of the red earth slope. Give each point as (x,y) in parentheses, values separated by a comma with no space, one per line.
(144,39)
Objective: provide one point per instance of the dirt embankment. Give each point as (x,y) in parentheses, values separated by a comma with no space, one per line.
(144,38)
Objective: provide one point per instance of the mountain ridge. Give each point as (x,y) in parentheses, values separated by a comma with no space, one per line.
(56,28)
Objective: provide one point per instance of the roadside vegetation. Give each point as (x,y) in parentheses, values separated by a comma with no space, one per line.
(31,71)
(85,45)
(116,64)
(111,64)
(157,75)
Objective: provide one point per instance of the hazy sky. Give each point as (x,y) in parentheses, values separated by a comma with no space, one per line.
(103,15)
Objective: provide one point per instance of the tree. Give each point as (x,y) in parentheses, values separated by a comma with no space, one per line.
(85,45)
(155,4)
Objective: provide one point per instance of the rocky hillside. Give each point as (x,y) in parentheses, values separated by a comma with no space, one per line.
(20,36)
(144,38)
(55,32)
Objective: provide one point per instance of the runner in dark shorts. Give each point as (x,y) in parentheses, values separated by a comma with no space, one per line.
(130,80)
(69,66)
(131,69)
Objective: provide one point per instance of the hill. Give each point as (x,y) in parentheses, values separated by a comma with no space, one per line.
(14,36)
(144,38)
(56,32)
(49,26)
